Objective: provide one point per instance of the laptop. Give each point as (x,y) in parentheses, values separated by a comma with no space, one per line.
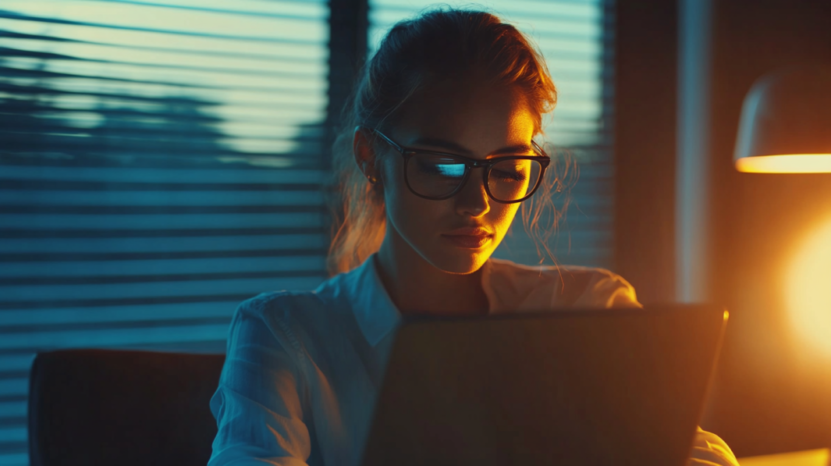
(572,387)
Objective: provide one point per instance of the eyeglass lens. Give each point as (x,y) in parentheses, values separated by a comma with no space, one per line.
(438,176)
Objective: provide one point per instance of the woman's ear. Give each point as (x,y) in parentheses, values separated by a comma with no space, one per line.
(364,152)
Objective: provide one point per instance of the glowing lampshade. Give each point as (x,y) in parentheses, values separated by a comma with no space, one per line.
(786,123)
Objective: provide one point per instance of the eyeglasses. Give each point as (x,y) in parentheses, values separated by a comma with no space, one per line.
(437,175)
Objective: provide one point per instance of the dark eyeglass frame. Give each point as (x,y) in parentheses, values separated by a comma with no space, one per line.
(543,158)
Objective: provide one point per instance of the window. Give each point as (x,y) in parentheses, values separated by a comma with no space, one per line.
(160,161)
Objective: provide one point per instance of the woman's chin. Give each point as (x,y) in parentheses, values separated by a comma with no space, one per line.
(460,261)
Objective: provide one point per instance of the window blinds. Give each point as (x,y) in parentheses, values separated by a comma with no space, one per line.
(160,161)
(575,37)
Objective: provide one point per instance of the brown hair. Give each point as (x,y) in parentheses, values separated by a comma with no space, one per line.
(438,45)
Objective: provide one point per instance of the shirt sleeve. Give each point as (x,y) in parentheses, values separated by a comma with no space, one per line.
(257,404)
(710,450)
(607,289)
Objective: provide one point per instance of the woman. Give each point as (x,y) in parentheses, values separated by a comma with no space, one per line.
(436,160)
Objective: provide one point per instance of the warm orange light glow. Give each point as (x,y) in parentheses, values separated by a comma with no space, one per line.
(808,288)
(799,458)
(797,163)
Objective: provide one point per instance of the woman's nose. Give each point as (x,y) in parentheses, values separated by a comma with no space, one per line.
(473,199)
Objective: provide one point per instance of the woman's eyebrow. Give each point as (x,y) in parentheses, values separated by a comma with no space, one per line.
(444,144)
(452,146)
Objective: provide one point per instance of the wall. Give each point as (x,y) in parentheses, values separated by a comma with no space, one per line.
(774,390)
(645,107)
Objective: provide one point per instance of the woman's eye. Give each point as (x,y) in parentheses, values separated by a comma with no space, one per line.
(429,167)
(455,170)
(508,176)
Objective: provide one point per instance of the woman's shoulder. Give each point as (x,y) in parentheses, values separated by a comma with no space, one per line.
(555,286)
(277,305)
(288,316)
(286,305)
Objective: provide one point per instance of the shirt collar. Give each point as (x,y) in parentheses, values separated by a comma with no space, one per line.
(374,310)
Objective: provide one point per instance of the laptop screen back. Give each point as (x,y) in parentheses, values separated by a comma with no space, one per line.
(605,387)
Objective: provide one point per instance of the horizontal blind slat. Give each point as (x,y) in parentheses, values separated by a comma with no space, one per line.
(115,314)
(237,244)
(155,222)
(156,198)
(172,175)
(148,268)
(14,296)
(104,338)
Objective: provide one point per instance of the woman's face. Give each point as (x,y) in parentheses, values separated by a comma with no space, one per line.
(474,121)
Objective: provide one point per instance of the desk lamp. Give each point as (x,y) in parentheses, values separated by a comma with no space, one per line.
(786,128)
(786,123)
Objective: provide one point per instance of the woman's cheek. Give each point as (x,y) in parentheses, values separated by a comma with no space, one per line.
(502,219)
(414,217)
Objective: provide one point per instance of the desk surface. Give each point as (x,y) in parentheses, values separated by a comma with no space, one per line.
(820,457)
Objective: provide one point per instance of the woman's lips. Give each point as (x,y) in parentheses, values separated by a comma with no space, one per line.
(468,241)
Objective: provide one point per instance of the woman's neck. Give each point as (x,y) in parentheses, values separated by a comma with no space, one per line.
(417,287)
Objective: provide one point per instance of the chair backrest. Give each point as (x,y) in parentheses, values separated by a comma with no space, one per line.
(107,408)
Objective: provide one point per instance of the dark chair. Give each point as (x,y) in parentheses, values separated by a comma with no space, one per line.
(122,408)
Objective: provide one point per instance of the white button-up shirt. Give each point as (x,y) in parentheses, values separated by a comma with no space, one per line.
(303,369)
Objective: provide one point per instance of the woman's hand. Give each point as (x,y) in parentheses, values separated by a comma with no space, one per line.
(710,450)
